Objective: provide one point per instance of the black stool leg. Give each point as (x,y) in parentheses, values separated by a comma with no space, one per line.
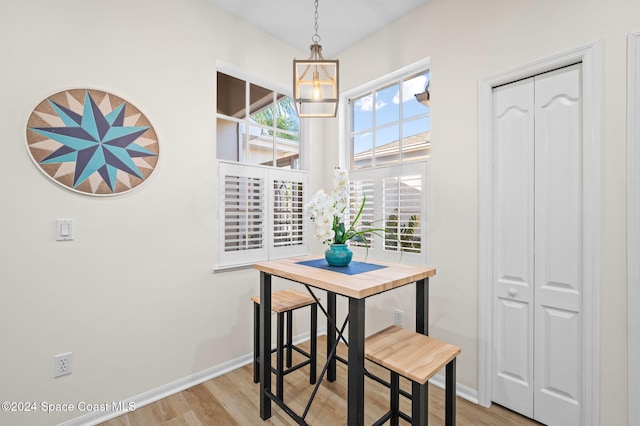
(256,342)
(419,403)
(314,343)
(289,337)
(279,356)
(395,399)
(450,394)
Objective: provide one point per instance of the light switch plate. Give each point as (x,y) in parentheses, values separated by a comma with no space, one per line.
(64,230)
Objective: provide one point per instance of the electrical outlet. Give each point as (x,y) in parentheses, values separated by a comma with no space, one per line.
(62,364)
(397,317)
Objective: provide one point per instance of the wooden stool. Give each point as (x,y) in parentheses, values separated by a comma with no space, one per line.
(283,303)
(416,357)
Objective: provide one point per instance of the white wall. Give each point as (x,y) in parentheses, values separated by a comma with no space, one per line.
(134,297)
(469,41)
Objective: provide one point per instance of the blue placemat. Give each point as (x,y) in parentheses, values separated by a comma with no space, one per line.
(352,268)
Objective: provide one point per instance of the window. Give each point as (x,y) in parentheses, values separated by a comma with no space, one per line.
(261,214)
(389,136)
(261,189)
(389,125)
(256,125)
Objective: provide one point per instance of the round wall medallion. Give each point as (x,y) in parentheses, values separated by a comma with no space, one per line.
(92,142)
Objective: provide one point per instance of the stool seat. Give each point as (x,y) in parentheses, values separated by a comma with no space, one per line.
(287,300)
(412,355)
(418,358)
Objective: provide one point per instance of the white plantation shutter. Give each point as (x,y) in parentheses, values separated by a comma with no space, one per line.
(243,213)
(363,190)
(396,201)
(261,214)
(287,213)
(402,200)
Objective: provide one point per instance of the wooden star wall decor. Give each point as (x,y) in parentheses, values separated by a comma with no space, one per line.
(92,142)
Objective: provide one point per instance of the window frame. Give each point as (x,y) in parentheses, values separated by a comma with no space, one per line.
(379,172)
(377,86)
(228,260)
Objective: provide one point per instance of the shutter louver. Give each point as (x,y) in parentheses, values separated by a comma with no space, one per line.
(288,216)
(402,212)
(243,213)
(363,189)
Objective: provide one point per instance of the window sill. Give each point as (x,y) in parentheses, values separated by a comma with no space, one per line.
(230,268)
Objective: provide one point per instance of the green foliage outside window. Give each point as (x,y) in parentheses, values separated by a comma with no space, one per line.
(405,234)
(286,118)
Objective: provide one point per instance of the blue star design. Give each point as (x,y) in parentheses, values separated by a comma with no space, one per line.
(95,142)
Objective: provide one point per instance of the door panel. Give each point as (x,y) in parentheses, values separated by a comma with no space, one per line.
(513,277)
(513,365)
(558,370)
(557,375)
(558,242)
(537,320)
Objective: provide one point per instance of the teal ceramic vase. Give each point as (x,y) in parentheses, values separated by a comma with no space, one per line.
(338,255)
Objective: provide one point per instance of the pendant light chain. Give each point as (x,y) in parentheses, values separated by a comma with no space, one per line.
(316,37)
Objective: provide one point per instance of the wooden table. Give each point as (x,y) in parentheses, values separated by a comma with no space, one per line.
(356,288)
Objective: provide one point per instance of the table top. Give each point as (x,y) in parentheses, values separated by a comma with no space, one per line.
(357,286)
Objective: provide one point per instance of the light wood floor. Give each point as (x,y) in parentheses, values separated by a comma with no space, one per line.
(232,399)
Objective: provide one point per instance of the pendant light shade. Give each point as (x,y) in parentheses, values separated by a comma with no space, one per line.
(315,82)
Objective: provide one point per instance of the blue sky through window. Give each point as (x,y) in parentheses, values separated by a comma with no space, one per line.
(389,113)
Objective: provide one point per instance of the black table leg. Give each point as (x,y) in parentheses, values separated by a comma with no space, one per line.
(331,334)
(420,393)
(265,344)
(355,393)
(422,306)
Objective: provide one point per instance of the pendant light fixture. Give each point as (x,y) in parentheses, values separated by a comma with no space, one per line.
(315,81)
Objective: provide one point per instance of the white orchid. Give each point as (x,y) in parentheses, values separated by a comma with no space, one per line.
(328,212)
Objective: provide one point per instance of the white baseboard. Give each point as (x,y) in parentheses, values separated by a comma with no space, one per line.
(469,394)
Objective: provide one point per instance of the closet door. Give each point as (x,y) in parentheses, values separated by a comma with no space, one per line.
(514,249)
(558,247)
(537,361)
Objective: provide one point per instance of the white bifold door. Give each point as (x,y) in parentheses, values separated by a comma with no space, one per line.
(537,269)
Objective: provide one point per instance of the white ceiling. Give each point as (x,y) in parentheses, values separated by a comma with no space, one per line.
(341,23)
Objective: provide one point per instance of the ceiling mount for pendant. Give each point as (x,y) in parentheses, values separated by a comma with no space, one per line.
(315,81)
